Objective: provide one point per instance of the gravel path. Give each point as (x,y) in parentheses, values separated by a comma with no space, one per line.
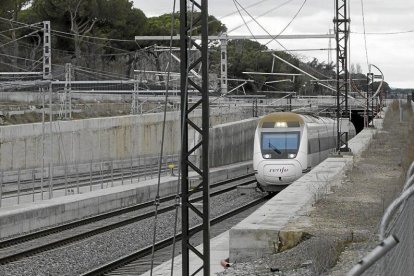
(80,257)
(343,226)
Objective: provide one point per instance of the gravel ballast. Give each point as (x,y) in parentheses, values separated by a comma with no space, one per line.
(80,257)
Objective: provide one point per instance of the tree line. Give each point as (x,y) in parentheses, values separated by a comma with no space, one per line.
(99,35)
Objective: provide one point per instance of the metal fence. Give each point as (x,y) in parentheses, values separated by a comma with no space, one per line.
(31,185)
(395,253)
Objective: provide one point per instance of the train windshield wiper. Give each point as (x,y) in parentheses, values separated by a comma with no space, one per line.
(274,148)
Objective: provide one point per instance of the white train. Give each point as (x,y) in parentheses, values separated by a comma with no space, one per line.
(287,145)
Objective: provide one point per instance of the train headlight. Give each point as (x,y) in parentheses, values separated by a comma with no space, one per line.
(280,124)
(267,156)
(292,155)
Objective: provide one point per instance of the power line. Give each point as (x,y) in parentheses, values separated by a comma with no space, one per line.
(70,35)
(275,37)
(17,28)
(384,33)
(265,13)
(365,35)
(244,21)
(14,40)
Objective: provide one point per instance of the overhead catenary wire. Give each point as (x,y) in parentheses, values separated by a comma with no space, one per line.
(265,13)
(17,28)
(383,33)
(283,29)
(157,197)
(71,36)
(244,21)
(365,35)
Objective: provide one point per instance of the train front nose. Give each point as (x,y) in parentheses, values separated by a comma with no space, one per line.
(280,173)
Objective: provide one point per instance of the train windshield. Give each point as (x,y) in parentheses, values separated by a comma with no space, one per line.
(280,145)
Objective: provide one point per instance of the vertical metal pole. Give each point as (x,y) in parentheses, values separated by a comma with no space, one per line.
(112,173)
(47,51)
(366,117)
(51,139)
(66,180)
(223,64)
(122,173)
(33,185)
(372,101)
(199,14)
(1,187)
(130,173)
(90,176)
(184,142)
(70,90)
(50,182)
(100,167)
(77,178)
(18,186)
(43,144)
(341,22)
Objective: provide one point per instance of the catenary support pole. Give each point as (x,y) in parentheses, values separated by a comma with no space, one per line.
(194,14)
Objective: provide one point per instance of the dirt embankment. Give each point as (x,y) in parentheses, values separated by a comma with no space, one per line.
(343,225)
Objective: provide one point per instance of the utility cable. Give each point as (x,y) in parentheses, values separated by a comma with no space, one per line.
(18,28)
(265,13)
(385,33)
(244,21)
(275,38)
(157,197)
(70,36)
(183,121)
(365,35)
(14,40)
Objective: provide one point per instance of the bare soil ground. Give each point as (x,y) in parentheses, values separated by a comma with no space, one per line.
(343,226)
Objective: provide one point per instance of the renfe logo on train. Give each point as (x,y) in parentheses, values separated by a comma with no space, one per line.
(279,170)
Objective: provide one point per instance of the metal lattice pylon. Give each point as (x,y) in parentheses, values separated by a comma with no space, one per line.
(47,51)
(135,106)
(65,96)
(196,17)
(341,22)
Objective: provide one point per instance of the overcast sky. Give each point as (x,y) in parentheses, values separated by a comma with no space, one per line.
(392,53)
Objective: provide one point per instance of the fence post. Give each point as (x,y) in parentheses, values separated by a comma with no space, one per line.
(101,175)
(50,181)
(112,173)
(77,178)
(1,187)
(41,182)
(18,186)
(66,180)
(33,185)
(90,176)
(130,174)
(145,168)
(122,172)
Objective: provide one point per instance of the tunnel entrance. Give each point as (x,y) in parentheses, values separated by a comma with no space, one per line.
(357,118)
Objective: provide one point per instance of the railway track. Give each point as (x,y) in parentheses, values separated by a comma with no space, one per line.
(16,248)
(124,264)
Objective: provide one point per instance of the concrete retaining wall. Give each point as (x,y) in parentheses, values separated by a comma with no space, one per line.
(31,216)
(110,138)
(232,142)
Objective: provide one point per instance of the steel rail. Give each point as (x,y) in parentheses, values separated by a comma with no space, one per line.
(44,247)
(110,266)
